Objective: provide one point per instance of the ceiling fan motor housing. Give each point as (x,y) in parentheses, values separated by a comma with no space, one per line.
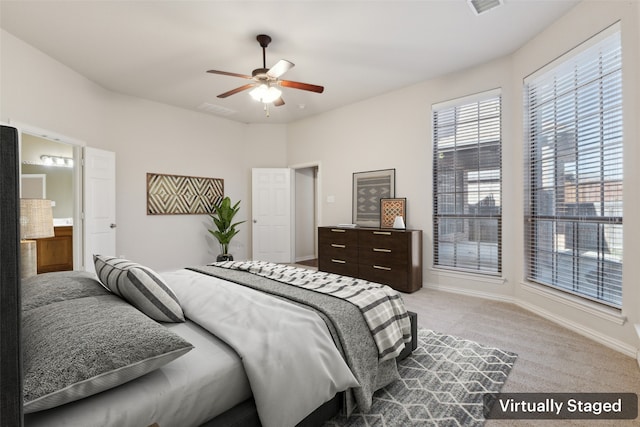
(260,73)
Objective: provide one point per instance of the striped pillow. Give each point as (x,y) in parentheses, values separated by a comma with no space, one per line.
(140,286)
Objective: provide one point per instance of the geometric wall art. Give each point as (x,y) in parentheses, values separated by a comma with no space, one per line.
(390,209)
(182,195)
(368,188)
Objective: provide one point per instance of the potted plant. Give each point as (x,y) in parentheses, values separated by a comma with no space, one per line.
(222,216)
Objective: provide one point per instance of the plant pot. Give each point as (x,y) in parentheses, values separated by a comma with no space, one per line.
(224,257)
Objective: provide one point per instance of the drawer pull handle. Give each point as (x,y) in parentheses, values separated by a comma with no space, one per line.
(379,267)
(337,230)
(335,245)
(338,261)
(381,250)
(384,233)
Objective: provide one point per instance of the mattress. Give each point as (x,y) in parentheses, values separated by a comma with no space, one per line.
(188,391)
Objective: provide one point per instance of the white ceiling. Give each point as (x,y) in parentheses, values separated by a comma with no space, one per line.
(160,50)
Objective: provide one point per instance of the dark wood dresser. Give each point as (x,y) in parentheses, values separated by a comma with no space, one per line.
(389,256)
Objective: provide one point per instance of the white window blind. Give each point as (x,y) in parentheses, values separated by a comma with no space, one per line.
(573,188)
(467,181)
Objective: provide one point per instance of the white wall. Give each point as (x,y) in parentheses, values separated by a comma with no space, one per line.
(146,137)
(390,131)
(394,131)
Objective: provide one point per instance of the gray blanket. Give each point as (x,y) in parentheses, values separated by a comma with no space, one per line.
(345,322)
(381,306)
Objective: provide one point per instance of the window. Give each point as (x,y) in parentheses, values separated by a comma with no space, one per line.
(573,166)
(467,183)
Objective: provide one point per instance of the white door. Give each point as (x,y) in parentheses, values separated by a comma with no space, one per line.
(271,214)
(99,204)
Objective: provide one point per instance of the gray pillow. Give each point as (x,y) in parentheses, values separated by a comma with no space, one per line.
(43,289)
(76,348)
(141,286)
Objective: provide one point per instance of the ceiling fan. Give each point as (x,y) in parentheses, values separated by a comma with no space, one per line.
(265,81)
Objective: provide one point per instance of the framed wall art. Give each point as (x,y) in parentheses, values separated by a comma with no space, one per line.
(391,208)
(368,188)
(182,195)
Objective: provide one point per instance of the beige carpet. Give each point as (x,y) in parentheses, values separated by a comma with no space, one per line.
(550,357)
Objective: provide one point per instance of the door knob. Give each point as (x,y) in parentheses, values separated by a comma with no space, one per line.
(112,226)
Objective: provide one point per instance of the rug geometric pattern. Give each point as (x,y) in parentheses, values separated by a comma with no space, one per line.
(441,384)
(179,195)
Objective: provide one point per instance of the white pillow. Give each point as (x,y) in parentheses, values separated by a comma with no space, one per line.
(140,286)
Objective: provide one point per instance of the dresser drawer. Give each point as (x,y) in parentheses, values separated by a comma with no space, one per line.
(339,236)
(381,239)
(395,277)
(383,256)
(338,266)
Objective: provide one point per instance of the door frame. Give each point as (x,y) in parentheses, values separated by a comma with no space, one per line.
(318,204)
(77,144)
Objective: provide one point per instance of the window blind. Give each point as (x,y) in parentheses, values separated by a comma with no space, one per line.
(467,183)
(573,171)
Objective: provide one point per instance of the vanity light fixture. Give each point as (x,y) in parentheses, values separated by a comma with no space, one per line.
(65,162)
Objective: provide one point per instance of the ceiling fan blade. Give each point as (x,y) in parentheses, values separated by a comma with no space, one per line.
(226,73)
(280,68)
(303,86)
(278,102)
(236,90)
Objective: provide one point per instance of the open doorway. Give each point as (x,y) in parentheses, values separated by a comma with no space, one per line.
(49,168)
(306,214)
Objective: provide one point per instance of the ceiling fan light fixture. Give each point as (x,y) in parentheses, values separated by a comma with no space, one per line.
(265,93)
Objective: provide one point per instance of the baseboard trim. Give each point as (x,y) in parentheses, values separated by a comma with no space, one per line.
(471,293)
(605,340)
(596,336)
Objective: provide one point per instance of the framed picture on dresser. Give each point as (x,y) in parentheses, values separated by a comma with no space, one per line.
(368,188)
(392,208)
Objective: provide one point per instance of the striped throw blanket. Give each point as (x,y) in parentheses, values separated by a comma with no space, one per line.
(381,306)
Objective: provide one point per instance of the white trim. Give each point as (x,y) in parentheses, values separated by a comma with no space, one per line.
(318,182)
(476,97)
(592,334)
(78,192)
(46,134)
(471,293)
(637,327)
(575,51)
(468,275)
(609,314)
(582,330)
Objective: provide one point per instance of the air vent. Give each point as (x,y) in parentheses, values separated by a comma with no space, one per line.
(482,6)
(216,109)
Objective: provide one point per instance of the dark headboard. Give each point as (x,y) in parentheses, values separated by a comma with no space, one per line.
(10,356)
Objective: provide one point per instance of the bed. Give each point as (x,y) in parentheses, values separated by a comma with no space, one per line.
(232,343)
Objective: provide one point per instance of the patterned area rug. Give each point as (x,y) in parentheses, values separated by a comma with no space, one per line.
(442,384)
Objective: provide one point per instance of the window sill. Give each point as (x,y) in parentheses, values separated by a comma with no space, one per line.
(610,314)
(467,275)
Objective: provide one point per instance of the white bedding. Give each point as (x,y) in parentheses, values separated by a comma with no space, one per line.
(190,390)
(279,353)
(290,359)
